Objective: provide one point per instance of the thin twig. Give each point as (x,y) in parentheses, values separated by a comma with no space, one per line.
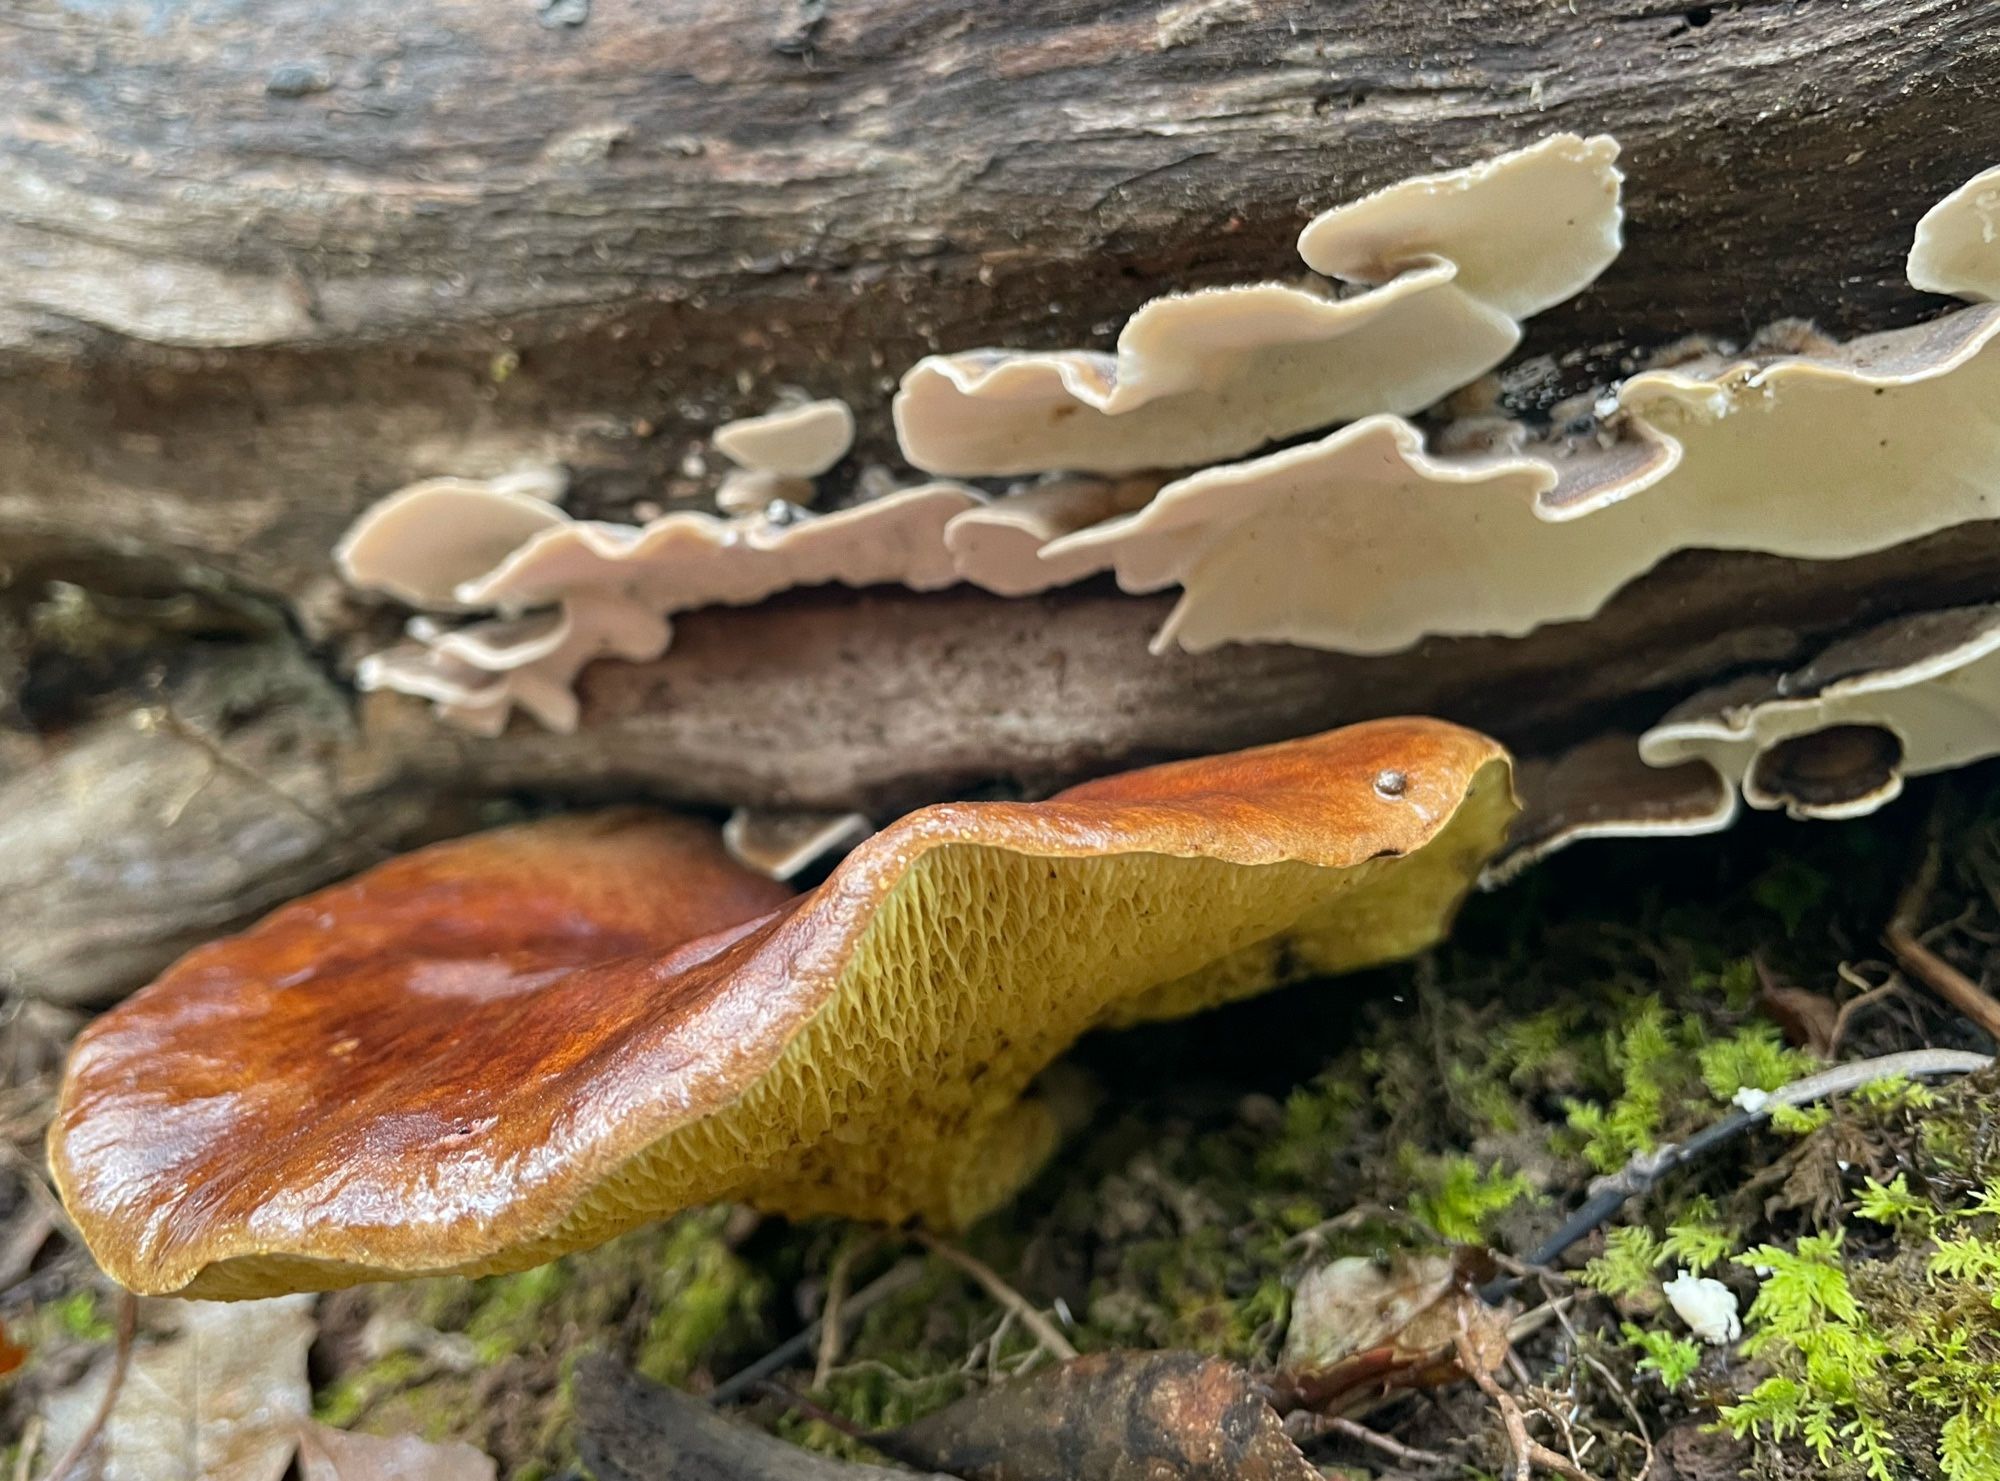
(840,1424)
(1031,1318)
(31,1441)
(1939,975)
(1853,1006)
(1528,1451)
(895,1280)
(121,1362)
(1617,1389)
(1530,1322)
(831,1333)
(1942,978)
(1313,1426)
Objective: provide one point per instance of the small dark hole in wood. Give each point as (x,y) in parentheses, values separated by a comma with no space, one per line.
(1700,16)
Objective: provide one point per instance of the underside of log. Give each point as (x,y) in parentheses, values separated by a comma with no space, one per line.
(259,266)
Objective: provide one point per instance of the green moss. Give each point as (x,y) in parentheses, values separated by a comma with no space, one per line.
(1887,1361)
(1699,1238)
(510,1311)
(1459,1199)
(705,1297)
(78,1315)
(1671,1359)
(346,1399)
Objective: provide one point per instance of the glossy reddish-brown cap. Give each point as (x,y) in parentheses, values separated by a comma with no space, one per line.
(489,1052)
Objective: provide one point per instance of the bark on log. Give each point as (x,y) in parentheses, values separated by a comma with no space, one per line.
(260,266)
(667,210)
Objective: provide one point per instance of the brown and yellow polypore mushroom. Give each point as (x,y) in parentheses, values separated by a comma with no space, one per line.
(484,1054)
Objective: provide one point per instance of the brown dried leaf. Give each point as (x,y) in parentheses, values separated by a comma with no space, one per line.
(1807,1018)
(1116,1416)
(1361,1328)
(334,1455)
(221,1397)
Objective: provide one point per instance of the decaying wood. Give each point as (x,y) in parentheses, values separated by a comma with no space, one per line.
(1121,1416)
(632,1430)
(881,699)
(144,833)
(260,266)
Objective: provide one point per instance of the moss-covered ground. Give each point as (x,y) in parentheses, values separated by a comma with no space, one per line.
(1617,998)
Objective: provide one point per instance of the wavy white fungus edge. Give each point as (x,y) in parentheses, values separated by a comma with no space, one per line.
(1930,681)
(1890,438)
(999,546)
(420,542)
(1603,789)
(1459,258)
(1957,250)
(592,589)
(479,674)
(784,844)
(797,441)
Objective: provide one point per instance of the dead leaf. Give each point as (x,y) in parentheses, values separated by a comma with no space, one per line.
(632,1430)
(12,1354)
(335,1455)
(220,1396)
(1116,1416)
(1362,1327)
(1808,1019)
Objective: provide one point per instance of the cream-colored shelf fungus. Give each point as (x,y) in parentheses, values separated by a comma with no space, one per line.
(593,589)
(1833,739)
(1003,547)
(1359,541)
(1362,543)
(800,439)
(1836,738)
(1957,250)
(1363,540)
(1453,261)
(422,541)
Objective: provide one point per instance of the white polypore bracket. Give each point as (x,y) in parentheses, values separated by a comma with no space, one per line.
(1361,541)
(800,440)
(606,590)
(1957,250)
(1459,259)
(1931,682)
